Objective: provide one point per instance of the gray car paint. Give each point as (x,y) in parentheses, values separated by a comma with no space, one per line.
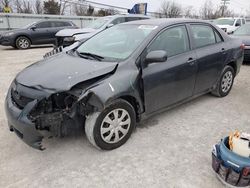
(132,79)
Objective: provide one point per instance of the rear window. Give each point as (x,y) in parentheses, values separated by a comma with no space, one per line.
(60,24)
(203,35)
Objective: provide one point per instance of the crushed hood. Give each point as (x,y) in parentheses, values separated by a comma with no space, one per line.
(62,72)
(71,32)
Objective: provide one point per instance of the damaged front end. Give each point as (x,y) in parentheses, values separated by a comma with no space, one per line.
(34,114)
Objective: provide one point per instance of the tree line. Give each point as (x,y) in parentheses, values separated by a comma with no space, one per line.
(208,10)
(169,9)
(56,7)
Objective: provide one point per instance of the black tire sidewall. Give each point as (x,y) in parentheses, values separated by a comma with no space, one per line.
(19,38)
(96,131)
(226,69)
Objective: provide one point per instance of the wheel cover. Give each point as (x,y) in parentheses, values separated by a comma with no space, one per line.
(115,126)
(227,81)
(23,43)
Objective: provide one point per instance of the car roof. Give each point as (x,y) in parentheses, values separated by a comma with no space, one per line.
(54,21)
(231,18)
(128,15)
(165,21)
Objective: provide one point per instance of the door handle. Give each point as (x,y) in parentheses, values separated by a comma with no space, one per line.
(191,61)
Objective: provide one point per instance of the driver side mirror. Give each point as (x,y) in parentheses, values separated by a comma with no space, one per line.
(109,25)
(33,28)
(157,56)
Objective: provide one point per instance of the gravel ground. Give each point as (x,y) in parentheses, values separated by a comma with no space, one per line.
(172,149)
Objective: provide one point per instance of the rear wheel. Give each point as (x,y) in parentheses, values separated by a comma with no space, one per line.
(23,42)
(112,127)
(225,83)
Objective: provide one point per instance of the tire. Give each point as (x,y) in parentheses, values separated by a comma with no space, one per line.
(102,129)
(23,43)
(225,82)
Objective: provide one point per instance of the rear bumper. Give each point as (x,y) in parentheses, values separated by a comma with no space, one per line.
(19,123)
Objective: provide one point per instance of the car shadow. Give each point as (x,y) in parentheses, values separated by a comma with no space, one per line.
(32,47)
(246,63)
(154,119)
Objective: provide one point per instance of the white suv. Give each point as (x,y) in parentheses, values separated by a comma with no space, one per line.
(229,25)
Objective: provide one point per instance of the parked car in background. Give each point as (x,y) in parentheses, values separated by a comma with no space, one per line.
(42,32)
(120,76)
(67,37)
(229,24)
(243,33)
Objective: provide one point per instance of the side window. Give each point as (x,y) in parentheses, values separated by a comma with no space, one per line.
(218,37)
(66,24)
(60,24)
(56,24)
(243,21)
(203,35)
(43,25)
(174,41)
(118,21)
(238,23)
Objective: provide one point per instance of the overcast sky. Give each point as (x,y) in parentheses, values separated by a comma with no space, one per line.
(239,6)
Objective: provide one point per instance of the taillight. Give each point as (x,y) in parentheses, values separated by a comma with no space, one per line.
(245,171)
(242,46)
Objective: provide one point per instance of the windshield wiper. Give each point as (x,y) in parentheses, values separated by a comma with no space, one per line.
(86,55)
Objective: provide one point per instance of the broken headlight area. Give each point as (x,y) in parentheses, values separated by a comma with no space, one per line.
(57,114)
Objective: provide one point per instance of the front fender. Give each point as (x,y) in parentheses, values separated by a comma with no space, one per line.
(118,85)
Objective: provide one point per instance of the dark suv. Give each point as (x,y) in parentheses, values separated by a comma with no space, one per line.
(42,32)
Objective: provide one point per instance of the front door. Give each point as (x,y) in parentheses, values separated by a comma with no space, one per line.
(41,34)
(169,82)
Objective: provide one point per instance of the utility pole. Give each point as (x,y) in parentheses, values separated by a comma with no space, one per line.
(224,4)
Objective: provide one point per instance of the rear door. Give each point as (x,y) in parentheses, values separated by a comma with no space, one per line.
(169,82)
(211,53)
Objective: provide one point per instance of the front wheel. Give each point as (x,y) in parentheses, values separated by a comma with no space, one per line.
(112,127)
(225,82)
(23,43)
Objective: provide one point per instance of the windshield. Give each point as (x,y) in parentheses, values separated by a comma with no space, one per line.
(225,21)
(116,43)
(243,30)
(98,23)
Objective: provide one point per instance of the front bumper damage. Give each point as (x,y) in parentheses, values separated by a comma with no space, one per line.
(19,123)
(34,121)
